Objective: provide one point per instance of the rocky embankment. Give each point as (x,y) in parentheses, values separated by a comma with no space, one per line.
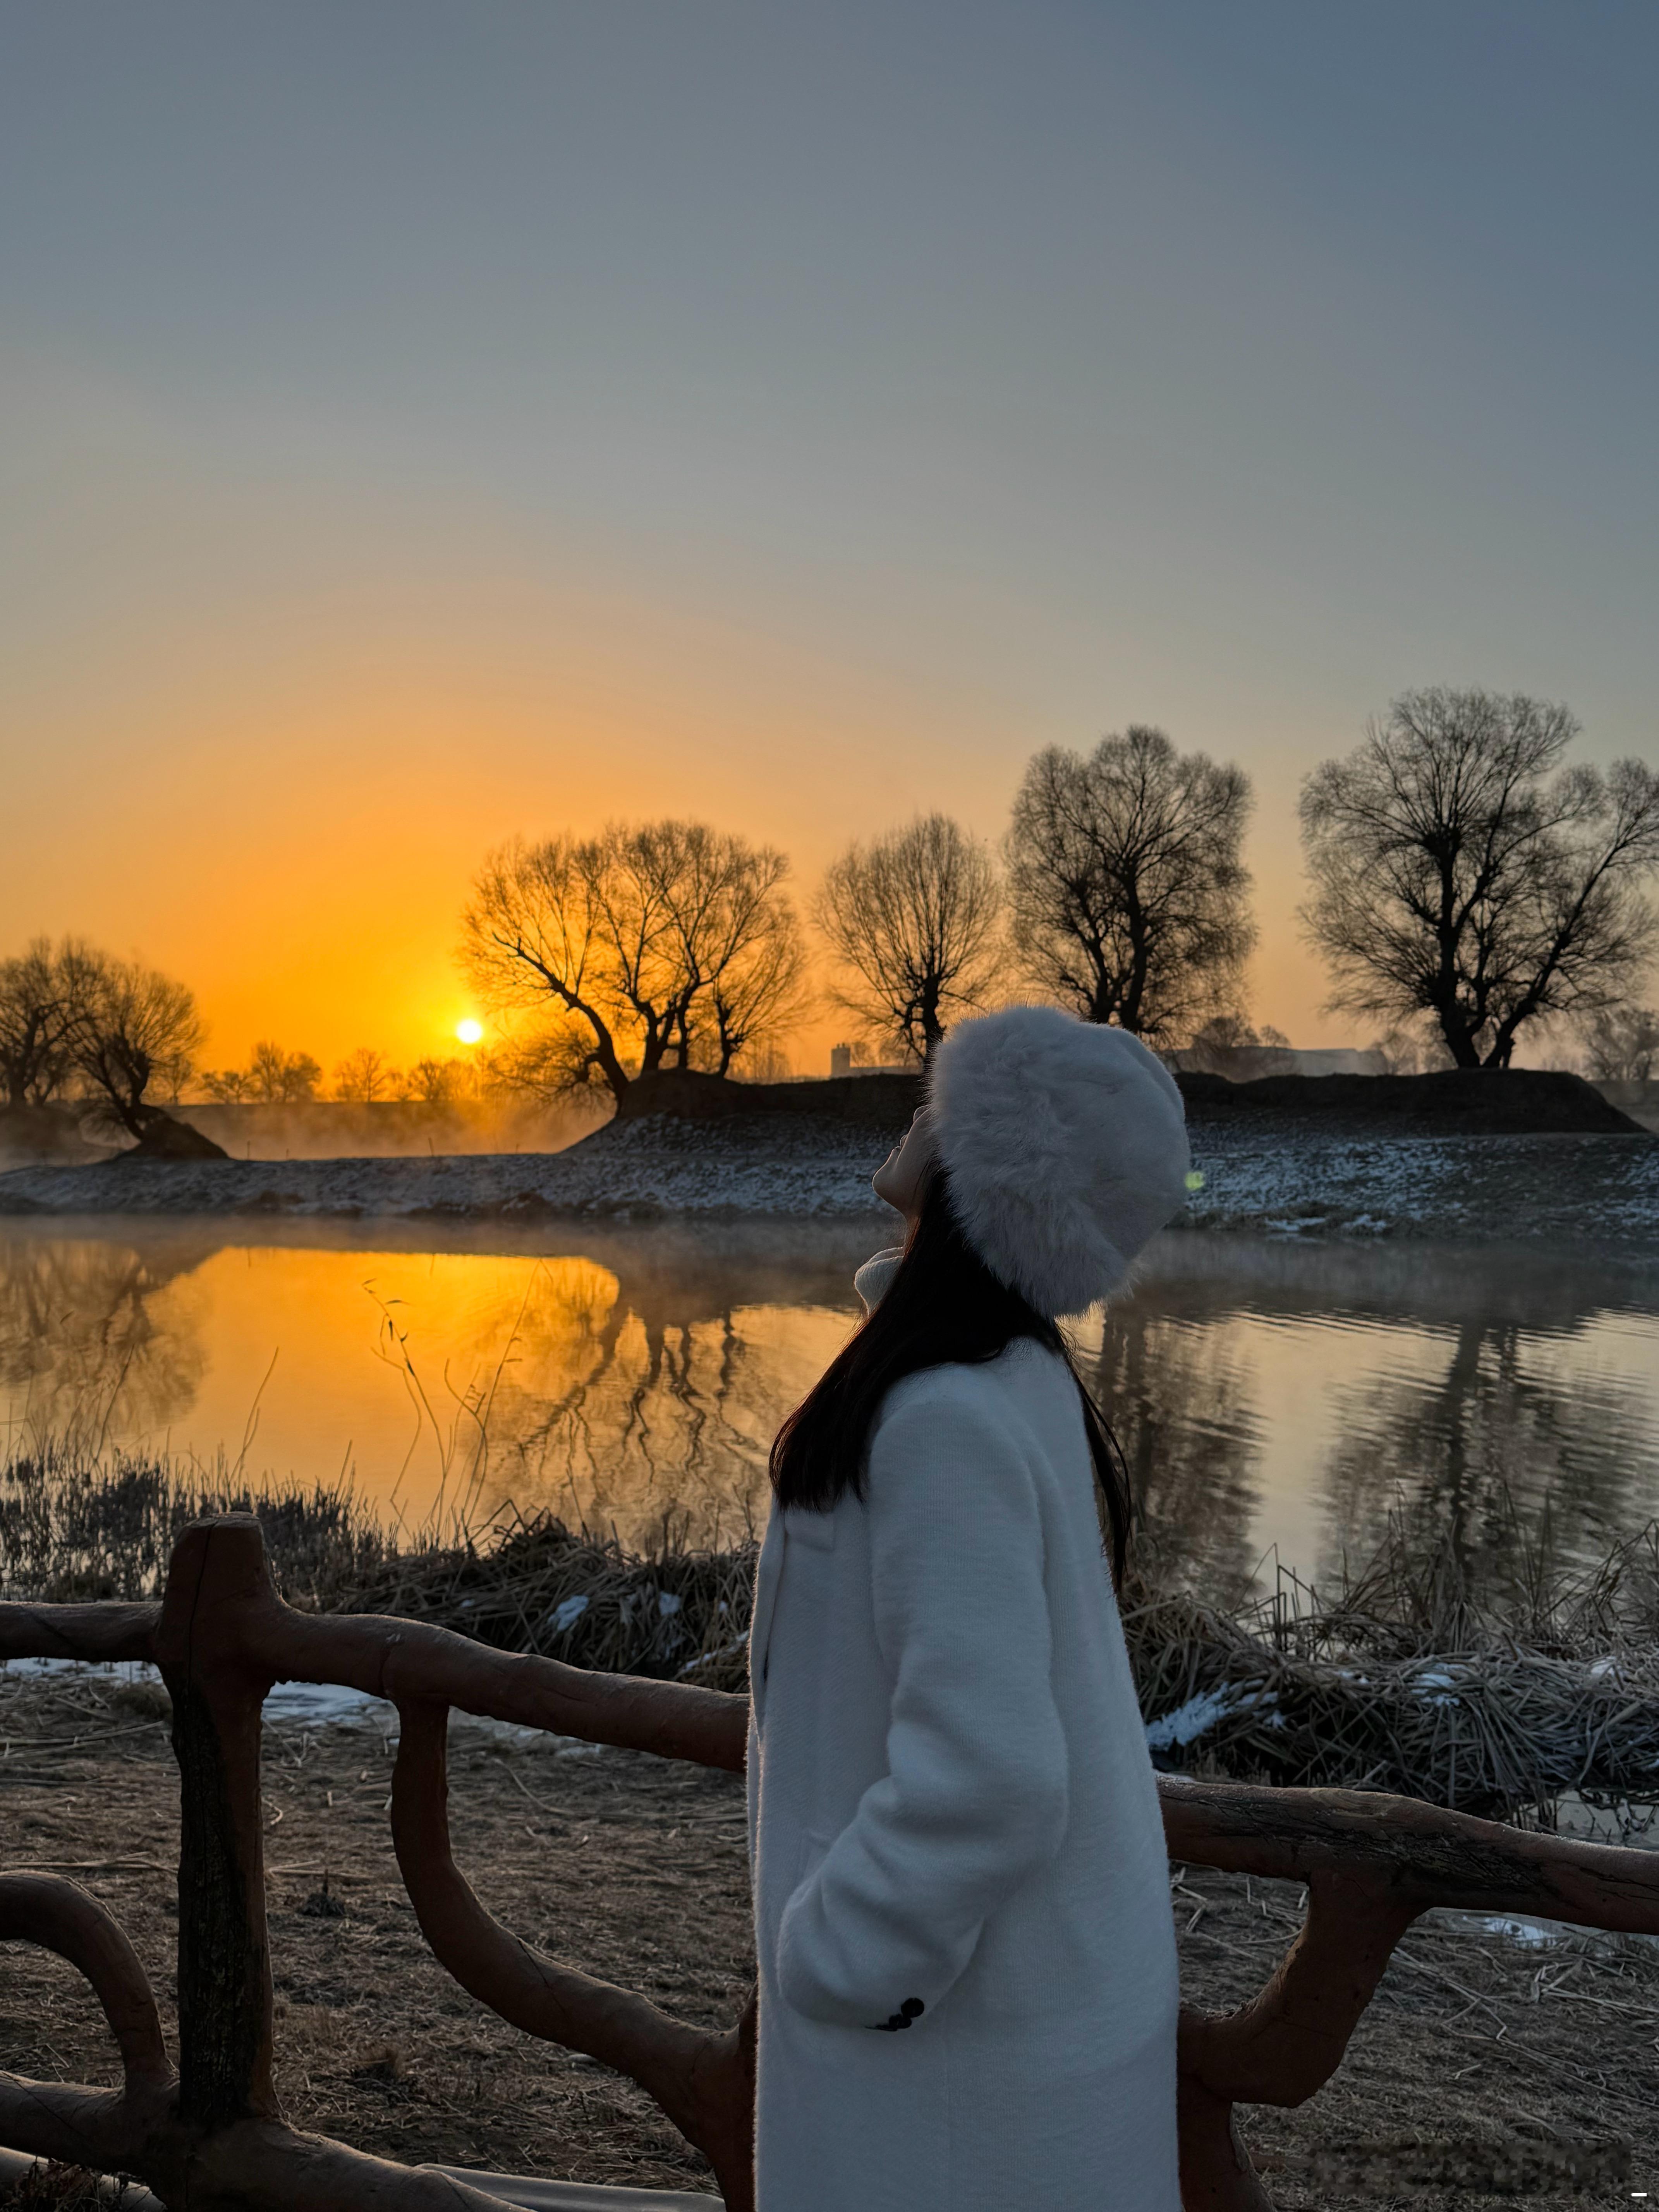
(1383,1167)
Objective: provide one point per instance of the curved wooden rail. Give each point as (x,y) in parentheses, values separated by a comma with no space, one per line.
(214,2139)
(702,2078)
(1371,1865)
(59,1915)
(99,2128)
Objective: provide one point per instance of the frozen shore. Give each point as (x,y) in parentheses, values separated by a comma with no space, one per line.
(1599,1190)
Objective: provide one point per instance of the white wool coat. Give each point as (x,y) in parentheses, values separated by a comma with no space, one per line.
(968,1990)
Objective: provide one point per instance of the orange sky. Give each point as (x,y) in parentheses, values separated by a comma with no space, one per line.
(274,773)
(422,424)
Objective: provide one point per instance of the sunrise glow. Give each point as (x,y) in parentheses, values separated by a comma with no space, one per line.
(469,1031)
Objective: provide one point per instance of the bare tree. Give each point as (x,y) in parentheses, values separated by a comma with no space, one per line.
(736,942)
(133,1027)
(1127,889)
(724,964)
(1461,870)
(228,1086)
(913,919)
(1415,1048)
(755,1001)
(749,956)
(366,1075)
(662,944)
(1229,1045)
(280,1077)
(1621,1044)
(541,934)
(767,1063)
(38,1004)
(442,1082)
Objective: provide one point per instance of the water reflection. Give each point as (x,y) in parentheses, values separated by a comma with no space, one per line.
(1177,1395)
(635,1383)
(1270,1397)
(1282,1401)
(85,1352)
(646,1402)
(1502,1416)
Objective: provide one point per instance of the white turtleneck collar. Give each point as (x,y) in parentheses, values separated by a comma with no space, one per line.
(873,1277)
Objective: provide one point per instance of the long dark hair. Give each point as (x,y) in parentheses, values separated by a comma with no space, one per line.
(943,1308)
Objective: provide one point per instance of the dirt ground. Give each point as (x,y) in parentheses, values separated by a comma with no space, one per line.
(1489,2069)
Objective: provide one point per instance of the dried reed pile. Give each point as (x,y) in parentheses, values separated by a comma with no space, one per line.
(1492,1688)
(535,1585)
(74,1528)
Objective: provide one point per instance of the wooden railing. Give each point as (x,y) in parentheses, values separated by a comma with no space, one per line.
(211,2133)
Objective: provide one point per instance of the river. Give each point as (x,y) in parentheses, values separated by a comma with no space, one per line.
(1276,1399)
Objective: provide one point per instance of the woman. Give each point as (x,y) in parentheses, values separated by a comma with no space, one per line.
(967,1959)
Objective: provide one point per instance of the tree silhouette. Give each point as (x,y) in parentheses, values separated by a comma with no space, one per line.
(38,1000)
(133,1027)
(912,920)
(1126,882)
(663,945)
(1461,870)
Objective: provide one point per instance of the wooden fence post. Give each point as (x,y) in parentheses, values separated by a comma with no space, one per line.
(218,1575)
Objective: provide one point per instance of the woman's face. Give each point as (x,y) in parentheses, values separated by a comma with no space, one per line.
(903,1175)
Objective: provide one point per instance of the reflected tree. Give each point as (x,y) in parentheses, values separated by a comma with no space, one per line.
(88,1352)
(1491,1459)
(1178,1403)
(646,1404)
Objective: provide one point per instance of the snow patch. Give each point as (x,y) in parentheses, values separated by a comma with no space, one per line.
(1198,1714)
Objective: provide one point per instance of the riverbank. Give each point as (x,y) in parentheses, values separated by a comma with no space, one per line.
(1510,2049)
(1259,1176)
(1510,1684)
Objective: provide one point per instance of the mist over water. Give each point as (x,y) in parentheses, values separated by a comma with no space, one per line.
(1275,1400)
(315,1129)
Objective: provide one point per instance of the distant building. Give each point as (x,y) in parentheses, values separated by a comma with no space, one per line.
(841,1063)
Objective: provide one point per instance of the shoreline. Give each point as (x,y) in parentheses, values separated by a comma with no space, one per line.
(1569,1189)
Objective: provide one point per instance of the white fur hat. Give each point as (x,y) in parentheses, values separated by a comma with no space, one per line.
(1066,1144)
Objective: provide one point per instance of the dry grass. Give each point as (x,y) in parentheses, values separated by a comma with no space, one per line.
(79,1522)
(538,1586)
(1493,1696)
(633,1867)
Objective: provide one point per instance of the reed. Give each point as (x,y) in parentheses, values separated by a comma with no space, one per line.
(78,1522)
(75,1525)
(1491,1680)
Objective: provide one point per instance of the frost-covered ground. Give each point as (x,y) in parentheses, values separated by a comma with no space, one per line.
(1600,1190)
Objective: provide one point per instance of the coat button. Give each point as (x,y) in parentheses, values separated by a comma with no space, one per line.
(913,2007)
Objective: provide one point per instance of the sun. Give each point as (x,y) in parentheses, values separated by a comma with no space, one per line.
(469,1031)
